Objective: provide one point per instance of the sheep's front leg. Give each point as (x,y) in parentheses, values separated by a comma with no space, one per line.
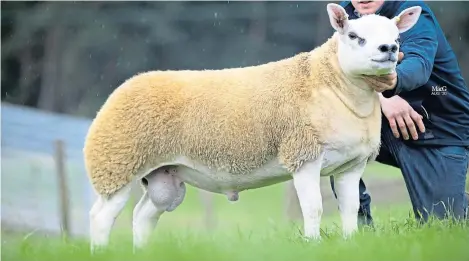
(348,195)
(306,181)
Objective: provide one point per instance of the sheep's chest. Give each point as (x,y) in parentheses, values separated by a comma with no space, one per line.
(349,145)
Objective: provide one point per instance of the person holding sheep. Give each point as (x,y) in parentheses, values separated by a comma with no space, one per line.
(425,107)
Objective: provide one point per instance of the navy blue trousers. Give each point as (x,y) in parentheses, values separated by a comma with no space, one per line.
(434,176)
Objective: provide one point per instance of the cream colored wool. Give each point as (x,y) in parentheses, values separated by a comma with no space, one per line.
(234,120)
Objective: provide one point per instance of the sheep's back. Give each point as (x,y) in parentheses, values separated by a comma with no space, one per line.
(231,120)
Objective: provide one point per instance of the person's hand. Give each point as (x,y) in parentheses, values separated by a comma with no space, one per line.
(401,115)
(383,82)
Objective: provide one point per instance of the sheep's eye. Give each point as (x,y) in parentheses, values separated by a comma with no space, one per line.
(352,36)
(398,40)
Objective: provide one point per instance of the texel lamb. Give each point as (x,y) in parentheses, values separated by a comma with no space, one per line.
(230,130)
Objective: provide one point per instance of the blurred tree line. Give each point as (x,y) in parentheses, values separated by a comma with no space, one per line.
(67,57)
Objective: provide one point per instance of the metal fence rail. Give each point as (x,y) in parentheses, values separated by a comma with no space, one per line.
(30,190)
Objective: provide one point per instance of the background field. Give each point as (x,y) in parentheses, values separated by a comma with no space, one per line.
(255,229)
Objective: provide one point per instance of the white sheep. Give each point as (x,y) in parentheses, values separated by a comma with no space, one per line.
(235,129)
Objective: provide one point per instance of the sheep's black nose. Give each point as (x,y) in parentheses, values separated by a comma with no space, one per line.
(386,48)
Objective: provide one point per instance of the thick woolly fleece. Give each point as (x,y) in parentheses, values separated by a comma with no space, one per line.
(233,120)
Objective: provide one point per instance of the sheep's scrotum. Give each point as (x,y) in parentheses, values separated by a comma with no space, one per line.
(165,189)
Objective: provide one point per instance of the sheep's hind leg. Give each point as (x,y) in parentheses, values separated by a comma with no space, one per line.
(145,218)
(163,192)
(103,215)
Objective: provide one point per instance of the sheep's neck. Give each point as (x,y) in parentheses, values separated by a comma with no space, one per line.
(353,92)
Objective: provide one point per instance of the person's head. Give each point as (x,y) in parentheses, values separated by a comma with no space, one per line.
(367,7)
(369,45)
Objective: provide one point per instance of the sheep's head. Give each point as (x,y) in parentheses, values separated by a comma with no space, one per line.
(370,45)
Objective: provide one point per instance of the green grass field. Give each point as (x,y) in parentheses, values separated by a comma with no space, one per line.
(255,228)
(396,238)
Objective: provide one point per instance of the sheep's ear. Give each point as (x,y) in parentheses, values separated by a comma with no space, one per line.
(338,17)
(407,18)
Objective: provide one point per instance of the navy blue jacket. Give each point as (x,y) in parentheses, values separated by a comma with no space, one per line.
(429,77)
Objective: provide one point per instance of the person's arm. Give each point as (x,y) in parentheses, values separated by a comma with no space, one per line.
(419,48)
